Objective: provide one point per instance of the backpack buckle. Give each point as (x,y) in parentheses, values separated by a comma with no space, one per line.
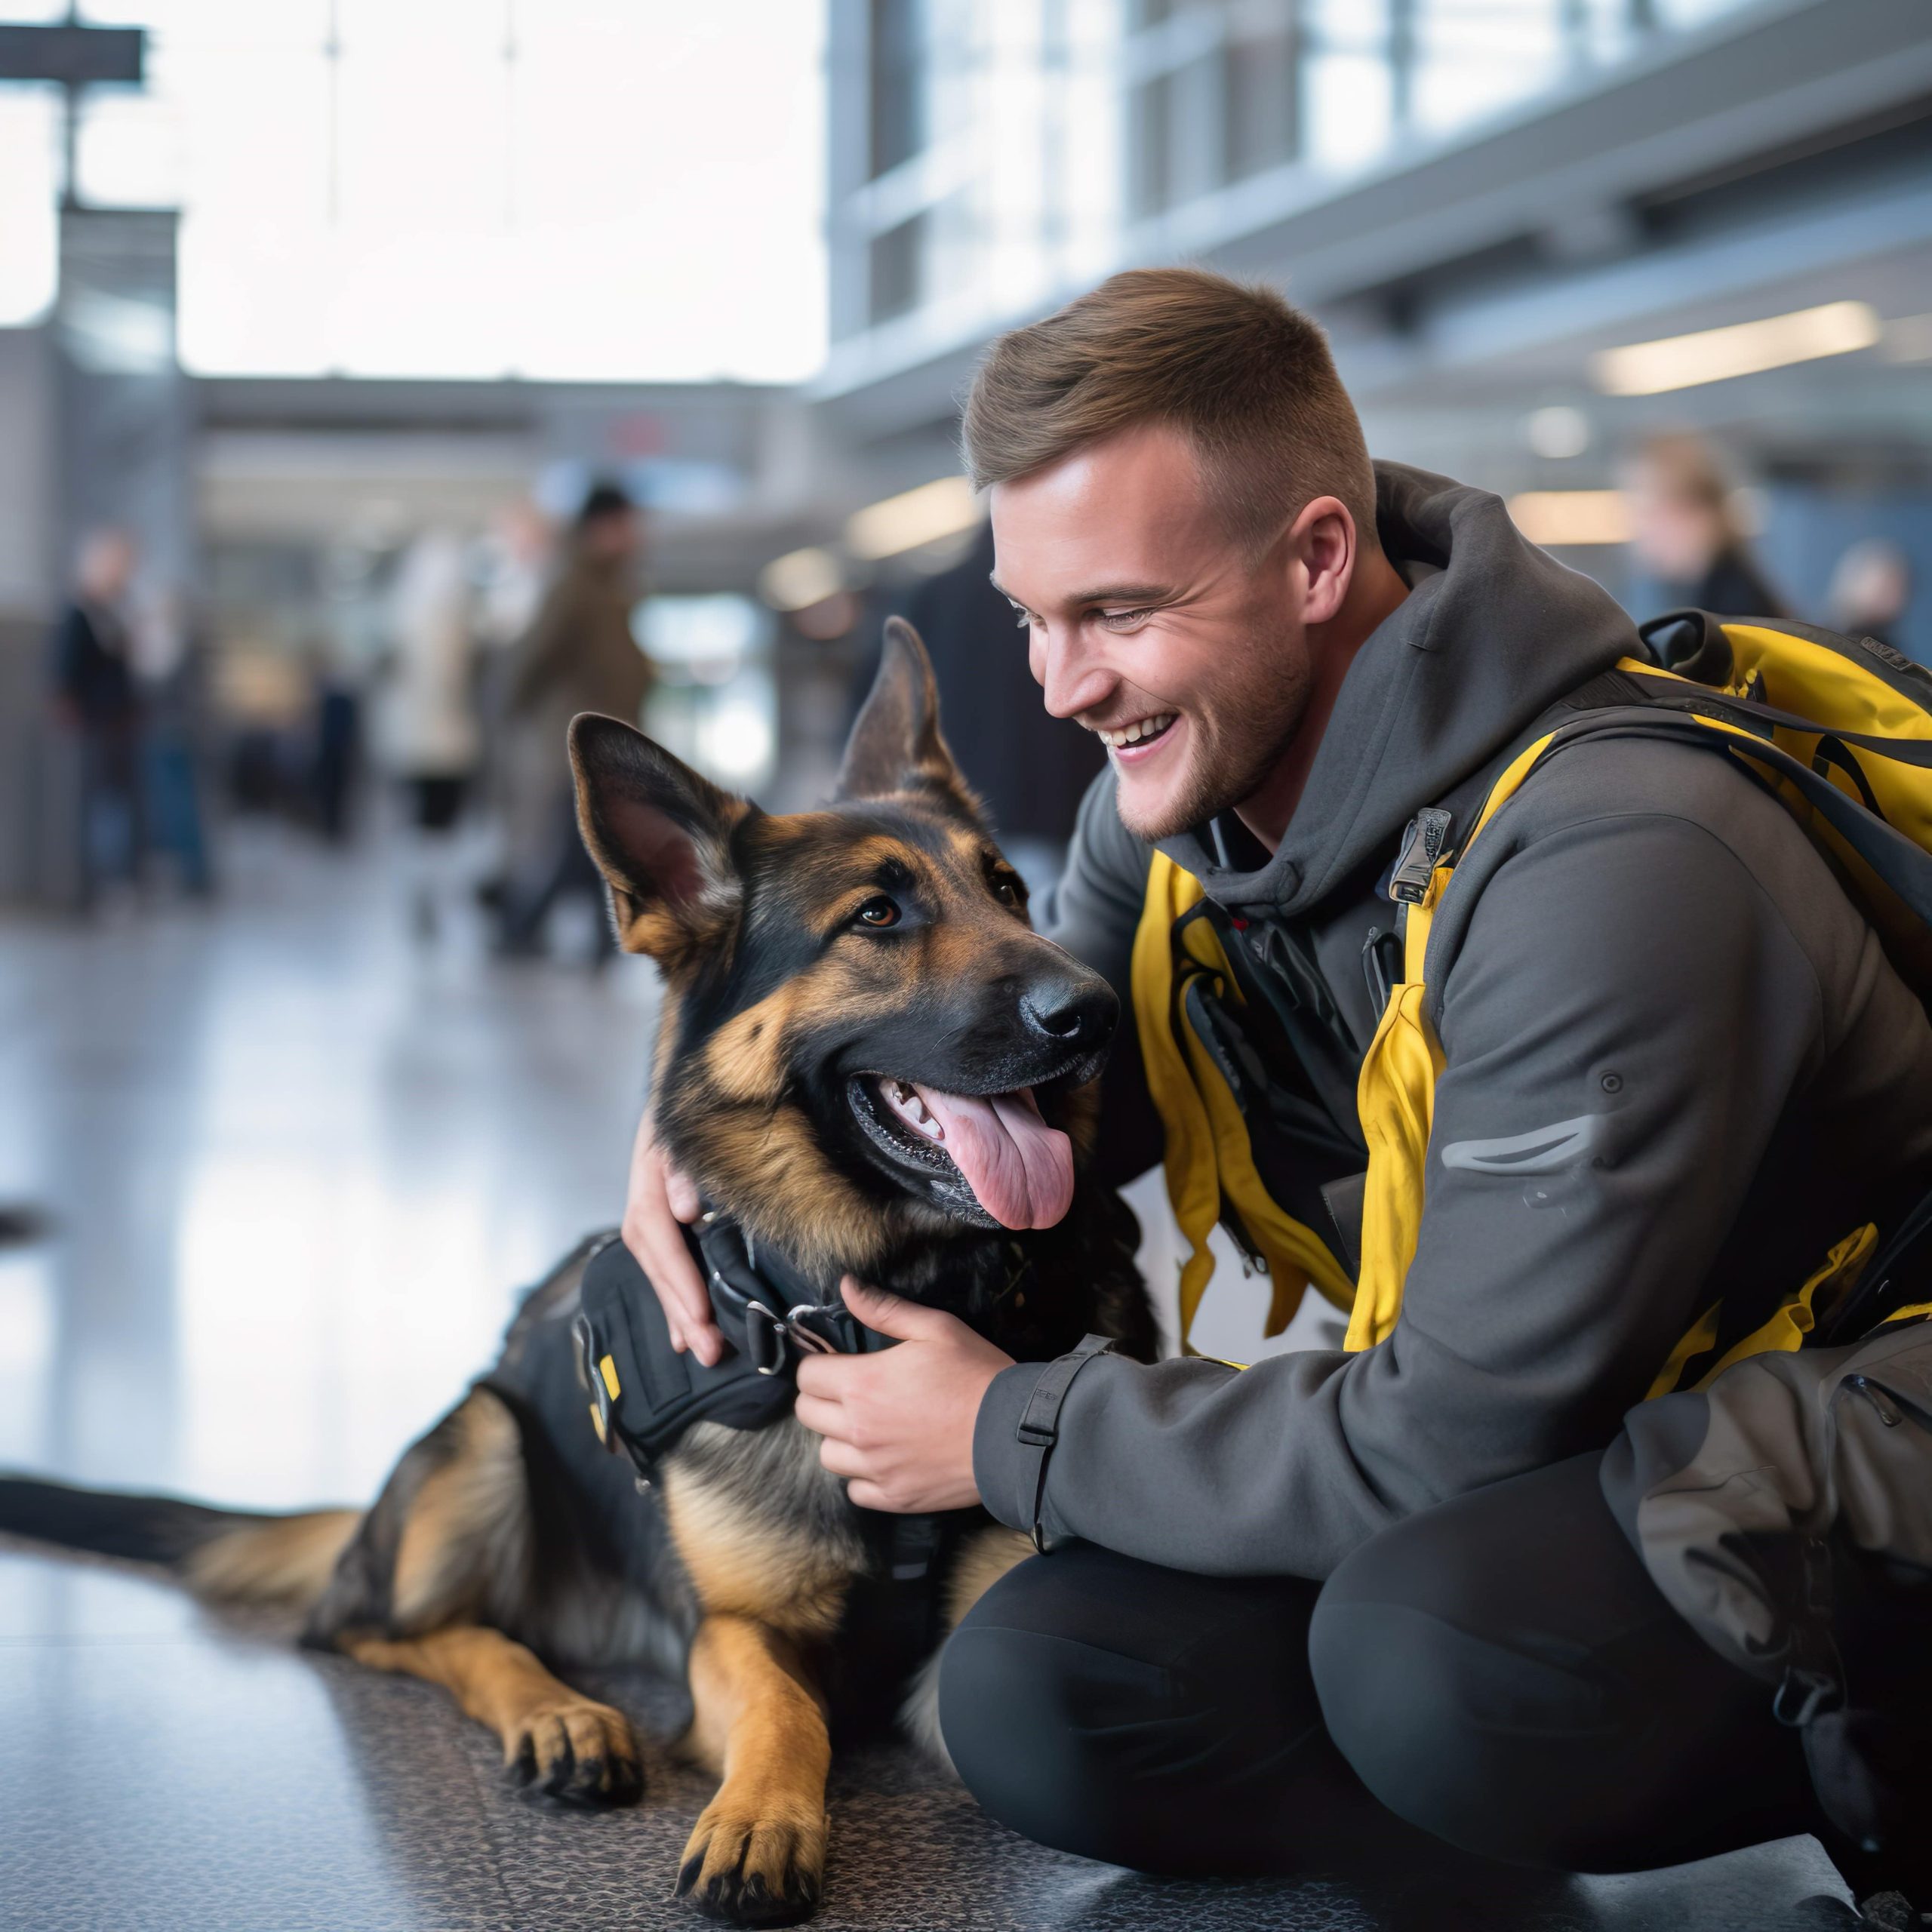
(1423,844)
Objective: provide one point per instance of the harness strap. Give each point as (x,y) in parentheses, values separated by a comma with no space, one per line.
(1397,1095)
(1206,1153)
(768,1310)
(645,1395)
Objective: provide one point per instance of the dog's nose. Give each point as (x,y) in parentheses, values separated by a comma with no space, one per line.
(1080,1013)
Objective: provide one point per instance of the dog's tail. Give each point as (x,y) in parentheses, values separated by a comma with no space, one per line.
(234,1555)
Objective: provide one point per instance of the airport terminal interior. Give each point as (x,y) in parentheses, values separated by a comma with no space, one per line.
(335,336)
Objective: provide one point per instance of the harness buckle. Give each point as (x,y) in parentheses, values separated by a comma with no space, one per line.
(765,1335)
(801,1331)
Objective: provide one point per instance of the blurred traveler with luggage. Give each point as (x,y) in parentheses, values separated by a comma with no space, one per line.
(429,733)
(167,661)
(579,655)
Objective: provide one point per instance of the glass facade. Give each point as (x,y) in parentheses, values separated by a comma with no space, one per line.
(1018,147)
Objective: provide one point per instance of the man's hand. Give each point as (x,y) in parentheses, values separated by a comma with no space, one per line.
(899,1423)
(658,1200)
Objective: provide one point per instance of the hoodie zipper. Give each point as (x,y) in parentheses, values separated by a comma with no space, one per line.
(1877,1397)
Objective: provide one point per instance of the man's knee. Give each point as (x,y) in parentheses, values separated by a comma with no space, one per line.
(1036,1721)
(1130,1713)
(1500,1671)
(1428,1717)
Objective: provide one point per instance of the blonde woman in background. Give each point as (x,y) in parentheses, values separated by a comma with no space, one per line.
(1691,546)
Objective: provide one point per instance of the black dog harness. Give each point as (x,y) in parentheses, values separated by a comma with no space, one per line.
(644,1394)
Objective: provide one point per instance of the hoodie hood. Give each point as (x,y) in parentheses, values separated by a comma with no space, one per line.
(1474,654)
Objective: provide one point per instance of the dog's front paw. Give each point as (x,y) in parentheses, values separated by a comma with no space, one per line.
(754,1865)
(582,1752)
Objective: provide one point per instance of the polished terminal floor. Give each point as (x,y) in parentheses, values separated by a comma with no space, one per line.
(298,1165)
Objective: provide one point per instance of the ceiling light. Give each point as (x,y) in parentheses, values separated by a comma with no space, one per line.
(1715,355)
(1558,430)
(936,509)
(1909,339)
(1558,519)
(800,579)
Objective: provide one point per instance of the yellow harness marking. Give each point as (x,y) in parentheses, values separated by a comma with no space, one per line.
(607,1368)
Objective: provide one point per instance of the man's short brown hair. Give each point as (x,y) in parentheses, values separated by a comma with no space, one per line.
(1246,376)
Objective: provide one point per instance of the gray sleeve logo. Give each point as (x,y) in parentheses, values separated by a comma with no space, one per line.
(1541,1151)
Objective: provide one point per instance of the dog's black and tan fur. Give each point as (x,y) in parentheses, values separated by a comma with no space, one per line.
(505,1543)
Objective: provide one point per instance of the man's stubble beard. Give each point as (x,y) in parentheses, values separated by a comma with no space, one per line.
(1228,767)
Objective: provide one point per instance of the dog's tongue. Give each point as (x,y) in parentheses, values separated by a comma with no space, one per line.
(1020,1169)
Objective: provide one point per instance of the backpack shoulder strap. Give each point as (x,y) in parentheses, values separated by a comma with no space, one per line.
(1672,707)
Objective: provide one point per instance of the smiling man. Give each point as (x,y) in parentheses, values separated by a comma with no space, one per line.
(1671,1068)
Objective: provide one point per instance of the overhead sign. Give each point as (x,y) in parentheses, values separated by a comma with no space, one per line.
(72,55)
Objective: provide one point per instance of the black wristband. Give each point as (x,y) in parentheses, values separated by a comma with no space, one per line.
(1039,1421)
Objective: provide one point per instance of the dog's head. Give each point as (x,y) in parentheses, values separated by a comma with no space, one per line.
(864,1041)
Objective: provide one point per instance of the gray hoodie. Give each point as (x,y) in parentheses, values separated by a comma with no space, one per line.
(1644,950)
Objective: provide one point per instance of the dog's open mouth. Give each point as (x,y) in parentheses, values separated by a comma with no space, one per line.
(1017,1169)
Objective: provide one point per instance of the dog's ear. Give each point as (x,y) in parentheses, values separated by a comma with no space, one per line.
(660,835)
(896,745)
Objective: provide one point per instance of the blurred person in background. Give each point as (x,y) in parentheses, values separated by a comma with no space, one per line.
(337,753)
(1870,590)
(95,698)
(168,666)
(580,654)
(430,735)
(1692,548)
(1031,768)
(516,567)
(516,571)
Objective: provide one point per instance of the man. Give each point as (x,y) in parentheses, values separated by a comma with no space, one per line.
(94,697)
(1675,1064)
(579,655)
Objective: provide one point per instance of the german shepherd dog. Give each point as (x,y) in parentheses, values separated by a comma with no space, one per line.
(869,1058)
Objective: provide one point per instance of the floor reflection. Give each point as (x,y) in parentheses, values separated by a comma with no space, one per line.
(299,1169)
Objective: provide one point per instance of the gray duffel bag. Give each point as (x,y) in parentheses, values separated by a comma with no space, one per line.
(1752,1502)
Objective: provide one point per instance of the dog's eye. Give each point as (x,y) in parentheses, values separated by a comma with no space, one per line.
(1006,889)
(879,912)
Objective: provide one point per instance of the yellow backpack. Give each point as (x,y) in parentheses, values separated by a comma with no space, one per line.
(1839,728)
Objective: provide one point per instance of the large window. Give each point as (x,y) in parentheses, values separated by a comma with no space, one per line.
(1031,147)
(560,188)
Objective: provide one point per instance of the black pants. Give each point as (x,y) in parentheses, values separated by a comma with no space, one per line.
(568,869)
(1499,1671)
